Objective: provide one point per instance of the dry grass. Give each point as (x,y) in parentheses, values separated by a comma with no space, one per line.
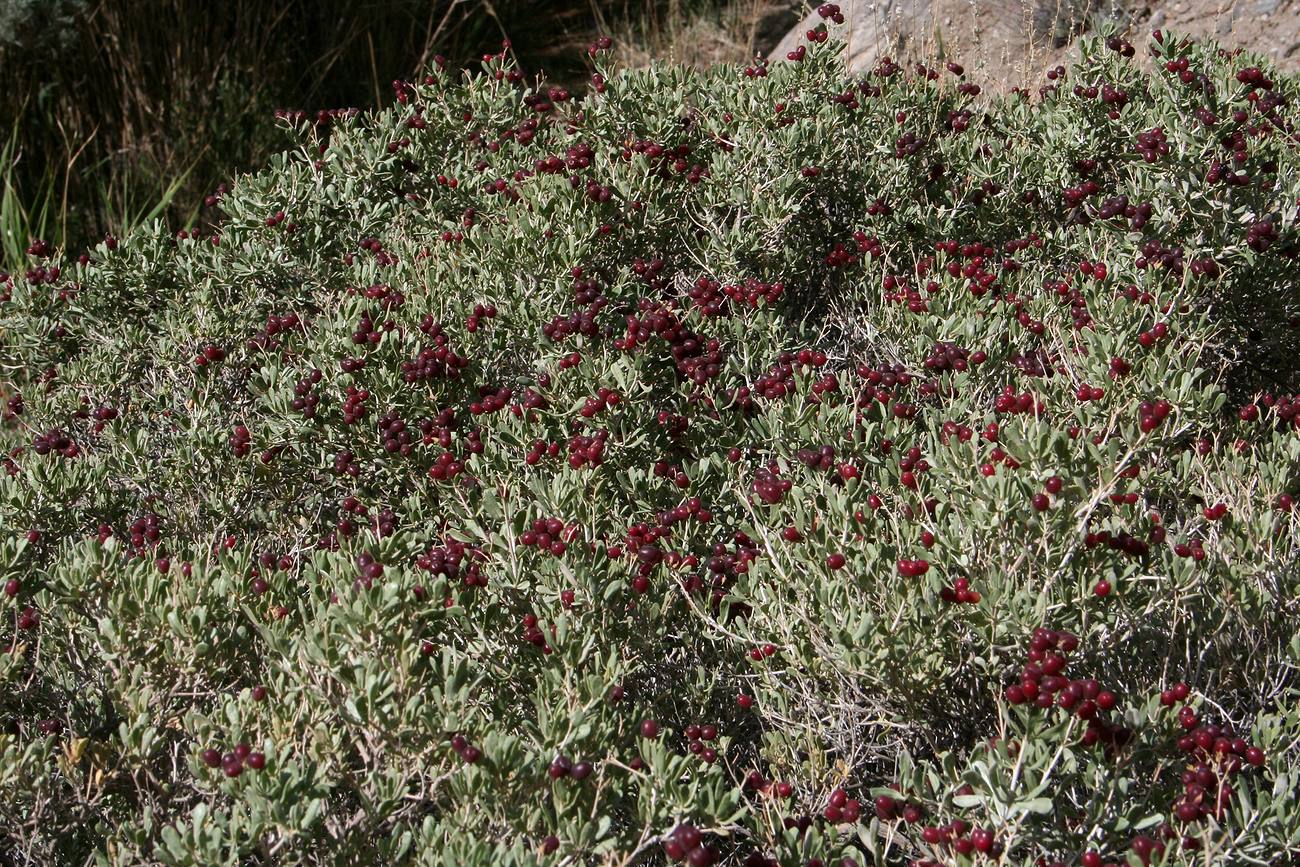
(698,33)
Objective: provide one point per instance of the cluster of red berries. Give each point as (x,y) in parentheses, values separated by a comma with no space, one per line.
(1088,392)
(533,634)
(446,467)
(1120,207)
(393,433)
(354,404)
(384,524)
(346,464)
(1253,77)
(959,837)
(890,809)
(55,441)
(29,618)
(1157,255)
(1216,512)
(371,571)
(145,532)
(1152,145)
(960,593)
(549,535)
(913,568)
(1151,414)
(209,354)
(841,256)
(576,323)
(469,754)
(1119,368)
(912,465)
(455,559)
(1120,46)
(437,362)
(234,762)
(214,198)
(50,726)
(1260,235)
(769,486)
(305,399)
(385,294)
(491,399)
(841,808)
(241,441)
(710,297)
(951,429)
(367,333)
(691,508)
(882,382)
(1043,684)
(1035,363)
(13,407)
(1148,338)
(699,739)
(1074,196)
(1042,500)
(950,356)
(605,399)
(817,458)
(603,43)
(1286,409)
(830,12)
(539,449)
(776,383)
(685,845)
(269,562)
(583,450)
(1217,757)
(1024,403)
(562,766)
(870,245)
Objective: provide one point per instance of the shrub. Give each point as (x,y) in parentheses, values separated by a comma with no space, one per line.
(755,466)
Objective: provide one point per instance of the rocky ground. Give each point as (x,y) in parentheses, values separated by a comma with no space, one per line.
(1015,41)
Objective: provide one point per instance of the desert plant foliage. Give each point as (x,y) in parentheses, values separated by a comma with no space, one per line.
(761,465)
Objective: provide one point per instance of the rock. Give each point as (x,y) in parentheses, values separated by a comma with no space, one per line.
(1015,42)
(983,34)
